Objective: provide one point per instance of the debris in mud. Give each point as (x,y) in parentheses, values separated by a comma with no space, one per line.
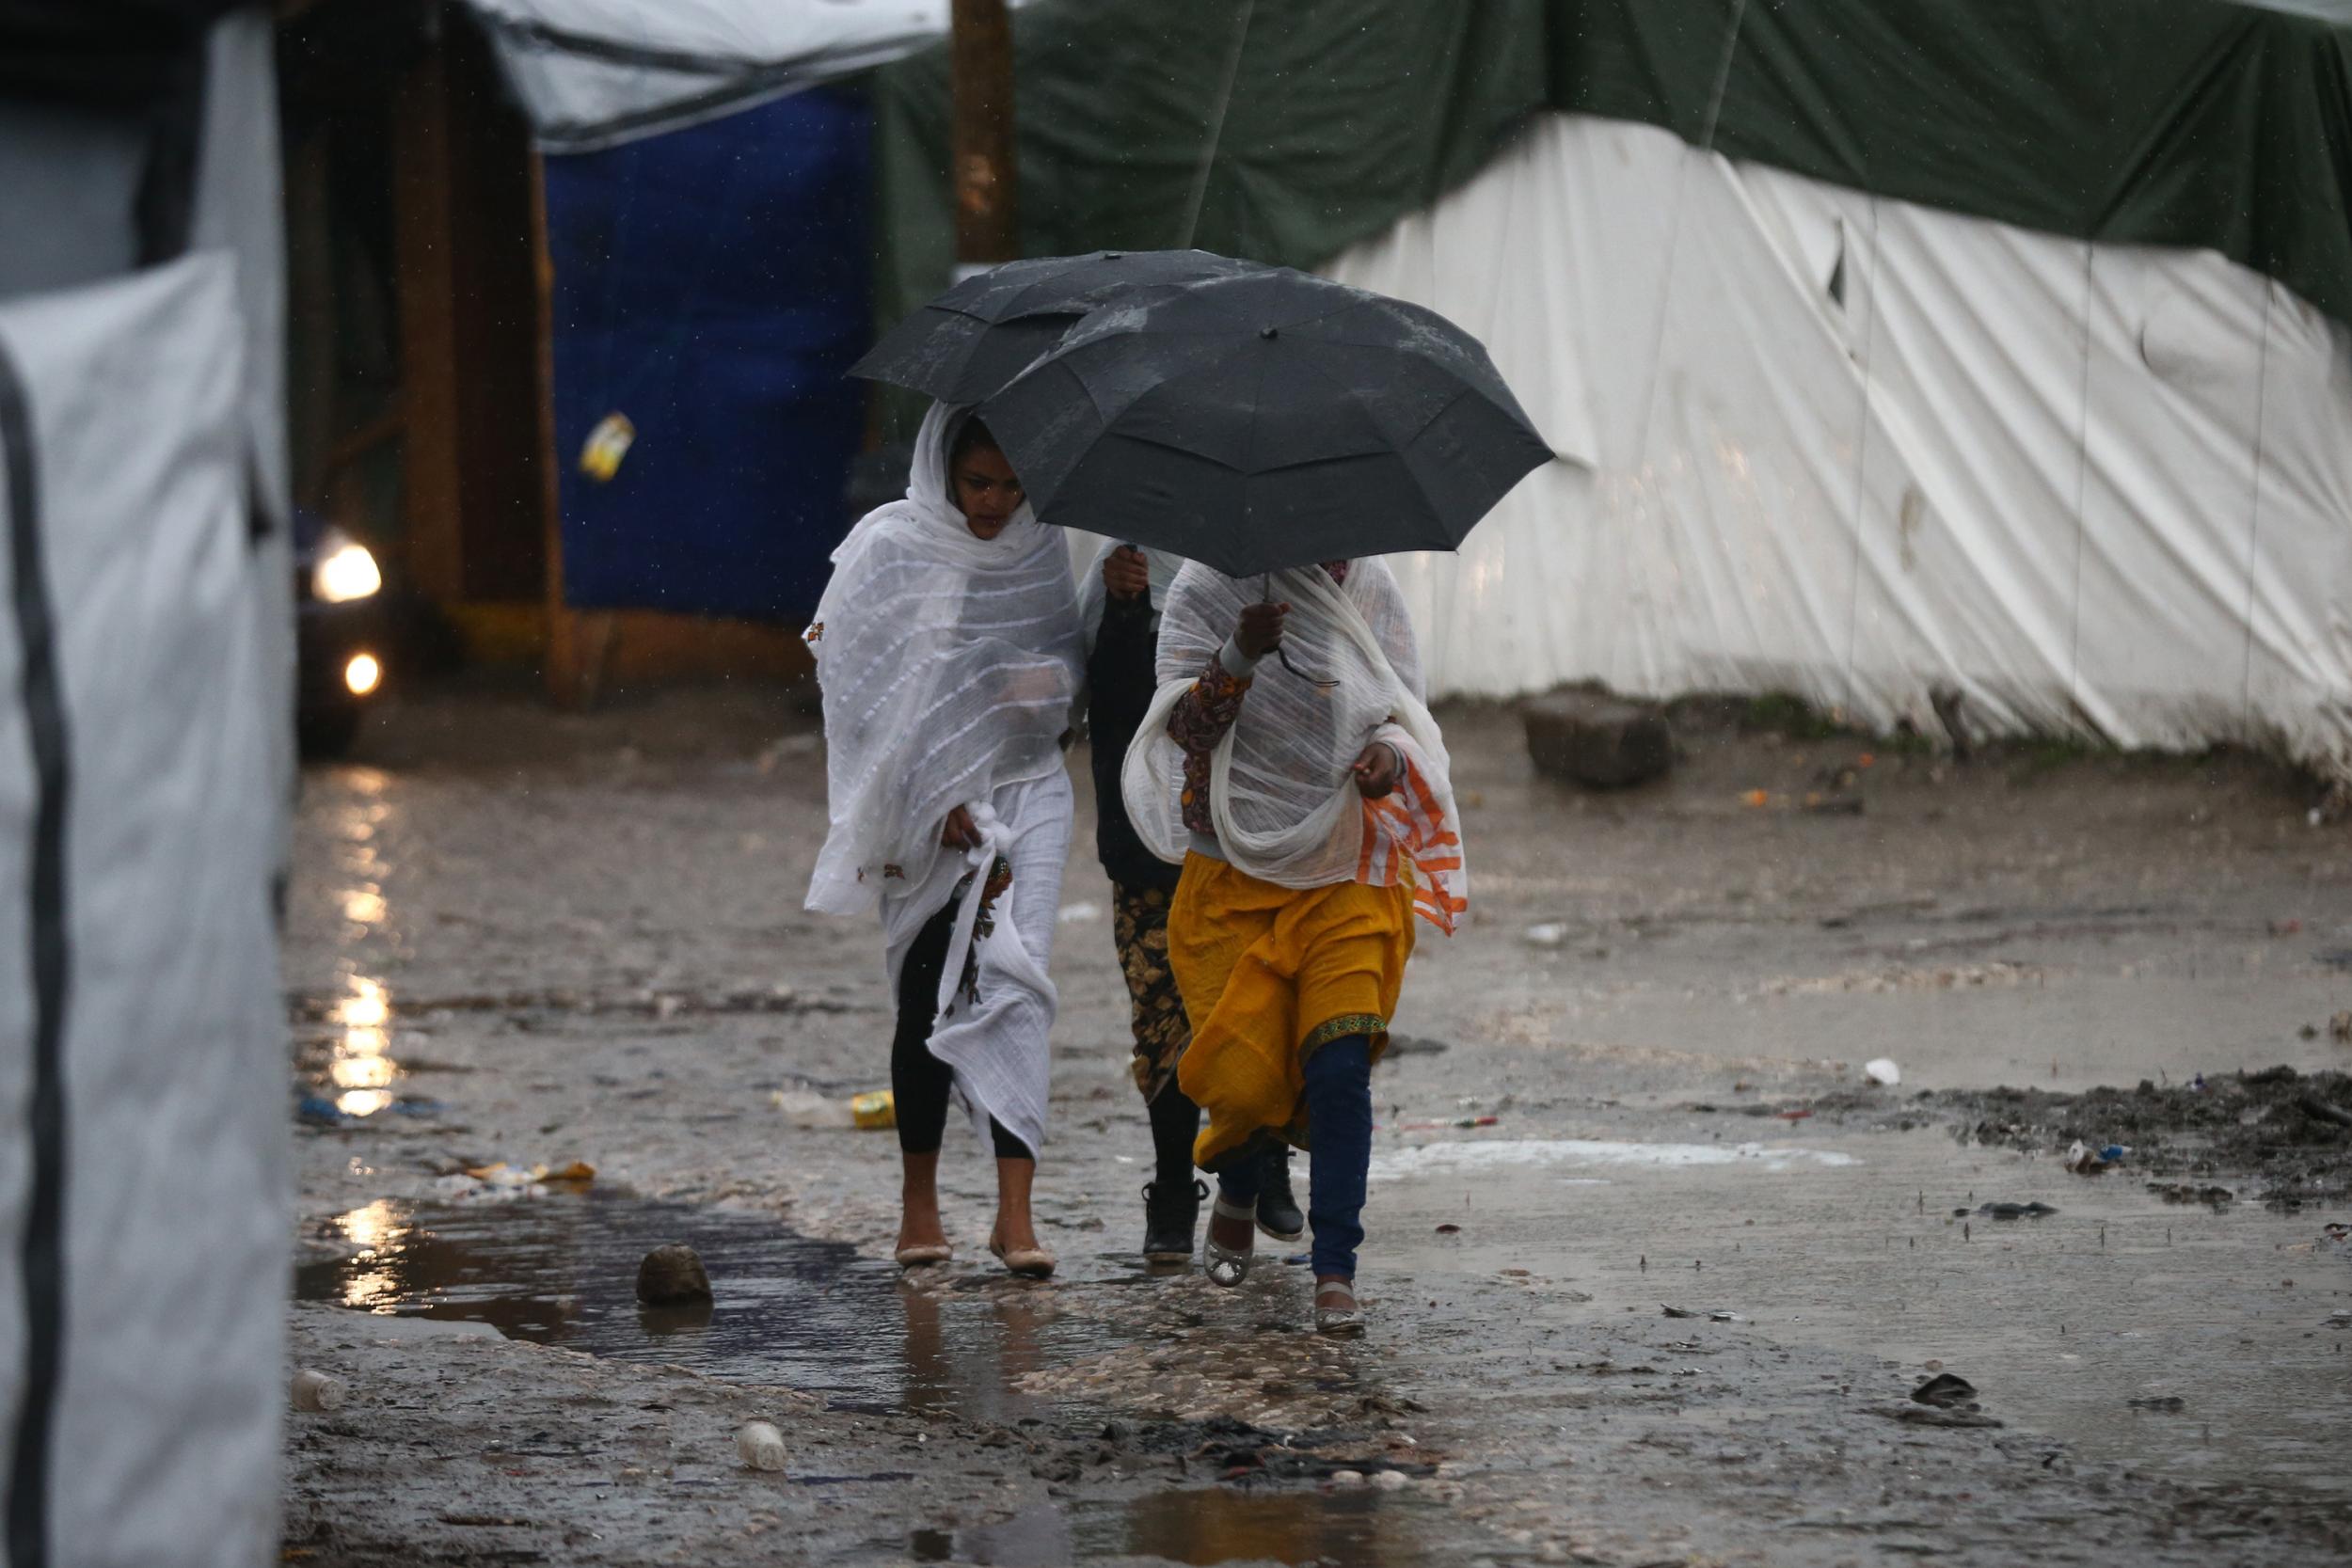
(1712,1314)
(2212,1198)
(1945,1390)
(760,1446)
(2340,1028)
(316,1392)
(1882,1070)
(671,1275)
(2158,1401)
(2292,1130)
(2083,1160)
(2007,1211)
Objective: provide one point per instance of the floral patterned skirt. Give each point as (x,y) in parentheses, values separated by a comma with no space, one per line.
(1140,926)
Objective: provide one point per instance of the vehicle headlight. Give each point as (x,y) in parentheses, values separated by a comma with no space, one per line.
(345,570)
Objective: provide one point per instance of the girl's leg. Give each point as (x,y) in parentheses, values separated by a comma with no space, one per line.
(1232,1221)
(1016,1171)
(1339,1111)
(1175,1123)
(920,1083)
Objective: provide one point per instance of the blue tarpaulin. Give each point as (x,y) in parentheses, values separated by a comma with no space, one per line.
(711,287)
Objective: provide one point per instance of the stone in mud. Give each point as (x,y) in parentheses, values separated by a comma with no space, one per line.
(1601,742)
(1945,1389)
(671,1276)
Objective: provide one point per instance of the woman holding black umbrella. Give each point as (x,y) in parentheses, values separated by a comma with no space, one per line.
(1289,759)
(1119,600)
(947,647)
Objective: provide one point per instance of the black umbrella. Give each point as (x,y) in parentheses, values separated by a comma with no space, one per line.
(1268,420)
(969,341)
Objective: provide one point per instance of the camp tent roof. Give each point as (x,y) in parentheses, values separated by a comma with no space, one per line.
(595,73)
(2175,122)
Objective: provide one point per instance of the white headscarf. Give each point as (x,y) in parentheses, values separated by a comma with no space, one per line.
(1285,804)
(948,664)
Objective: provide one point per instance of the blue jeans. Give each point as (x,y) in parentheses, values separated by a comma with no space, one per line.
(1338,1118)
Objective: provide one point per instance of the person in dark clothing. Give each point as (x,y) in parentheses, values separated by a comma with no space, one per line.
(1118,604)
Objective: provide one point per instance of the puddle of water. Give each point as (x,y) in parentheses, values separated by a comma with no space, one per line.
(1198,1525)
(2060,1321)
(1486,1154)
(561,1270)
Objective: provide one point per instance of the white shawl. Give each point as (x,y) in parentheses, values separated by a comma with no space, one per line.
(948,664)
(1286,807)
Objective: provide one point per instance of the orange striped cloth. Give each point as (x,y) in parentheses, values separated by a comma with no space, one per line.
(1410,826)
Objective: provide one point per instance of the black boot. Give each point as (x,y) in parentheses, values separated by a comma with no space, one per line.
(1277,1212)
(1171,1214)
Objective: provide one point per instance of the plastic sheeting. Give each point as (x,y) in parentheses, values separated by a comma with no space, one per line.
(1288,132)
(165,1447)
(595,73)
(1859,449)
(710,286)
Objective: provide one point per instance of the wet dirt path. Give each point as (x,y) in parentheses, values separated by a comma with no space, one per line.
(524,937)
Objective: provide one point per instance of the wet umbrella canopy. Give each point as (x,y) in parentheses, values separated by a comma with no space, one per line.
(1268,420)
(968,342)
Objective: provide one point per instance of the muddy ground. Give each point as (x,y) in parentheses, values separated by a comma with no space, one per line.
(535,939)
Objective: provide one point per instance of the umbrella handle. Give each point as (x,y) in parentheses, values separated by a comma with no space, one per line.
(1282,655)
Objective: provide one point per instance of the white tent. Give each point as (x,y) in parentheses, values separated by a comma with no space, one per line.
(145,647)
(1861,450)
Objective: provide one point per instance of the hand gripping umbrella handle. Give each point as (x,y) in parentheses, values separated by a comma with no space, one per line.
(1283,654)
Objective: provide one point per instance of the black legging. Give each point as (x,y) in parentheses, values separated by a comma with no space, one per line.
(920,1081)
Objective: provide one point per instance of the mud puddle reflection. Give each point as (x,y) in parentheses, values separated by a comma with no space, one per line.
(561,1270)
(1200,1526)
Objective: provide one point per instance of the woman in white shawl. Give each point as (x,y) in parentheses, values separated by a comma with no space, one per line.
(948,648)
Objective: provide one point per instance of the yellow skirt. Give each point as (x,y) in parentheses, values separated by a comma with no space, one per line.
(1268,974)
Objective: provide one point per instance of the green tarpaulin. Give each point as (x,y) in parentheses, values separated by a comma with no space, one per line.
(2175,122)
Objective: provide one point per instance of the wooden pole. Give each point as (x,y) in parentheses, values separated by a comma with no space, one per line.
(432,499)
(561,661)
(986,186)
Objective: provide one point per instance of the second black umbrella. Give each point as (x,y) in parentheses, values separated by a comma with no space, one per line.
(973,338)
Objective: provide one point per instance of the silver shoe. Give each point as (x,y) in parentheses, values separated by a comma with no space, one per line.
(1226,1266)
(1338,1322)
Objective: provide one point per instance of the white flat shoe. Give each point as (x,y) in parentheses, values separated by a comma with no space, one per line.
(1024,1262)
(1226,1266)
(1342,1318)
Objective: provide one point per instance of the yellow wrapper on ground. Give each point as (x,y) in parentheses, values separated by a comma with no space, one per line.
(1268,973)
(874,1111)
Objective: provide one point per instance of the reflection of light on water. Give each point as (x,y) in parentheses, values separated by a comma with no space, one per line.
(368,1004)
(363,1072)
(363,907)
(372,1226)
(374,1230)
(362,1066)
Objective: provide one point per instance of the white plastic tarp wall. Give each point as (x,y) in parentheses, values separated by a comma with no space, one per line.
(1860,449)
(595,73)
(174,1182)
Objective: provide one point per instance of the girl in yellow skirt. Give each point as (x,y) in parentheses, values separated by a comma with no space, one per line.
(1290,764)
